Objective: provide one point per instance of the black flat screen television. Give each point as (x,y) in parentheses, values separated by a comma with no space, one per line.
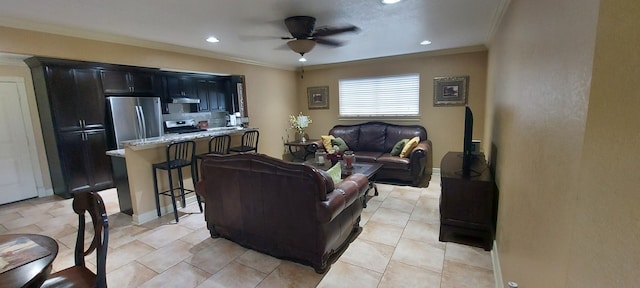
(467,155)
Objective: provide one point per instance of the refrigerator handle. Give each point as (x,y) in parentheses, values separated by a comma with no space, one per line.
(139,130)
(144,123)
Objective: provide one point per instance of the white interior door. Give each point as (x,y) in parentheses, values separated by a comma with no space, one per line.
(17,178)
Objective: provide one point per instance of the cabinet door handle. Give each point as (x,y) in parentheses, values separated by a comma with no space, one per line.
(80,123)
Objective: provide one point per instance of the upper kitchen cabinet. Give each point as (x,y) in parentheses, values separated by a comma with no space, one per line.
(75,96)
(211,93)
(127,82)
(181,86)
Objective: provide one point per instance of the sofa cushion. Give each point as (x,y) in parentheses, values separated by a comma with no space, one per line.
(336,173)
(393,162)
(367,156)
(406,151)
(349,134)
(398,147)
(326,141)
(342,146)
(396,133)
(372,137)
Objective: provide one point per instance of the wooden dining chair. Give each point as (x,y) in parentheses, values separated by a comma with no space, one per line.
(79,275)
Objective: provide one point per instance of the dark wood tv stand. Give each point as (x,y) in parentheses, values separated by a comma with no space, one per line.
(468,204)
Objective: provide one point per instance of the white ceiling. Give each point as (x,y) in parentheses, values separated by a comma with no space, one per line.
(251,29)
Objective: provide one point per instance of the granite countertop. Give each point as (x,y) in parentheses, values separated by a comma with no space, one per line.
(116,153)
(148,143)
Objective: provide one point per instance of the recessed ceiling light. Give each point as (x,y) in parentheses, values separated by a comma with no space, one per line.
(213,39)
(390,1)
(425,42)
(302,59)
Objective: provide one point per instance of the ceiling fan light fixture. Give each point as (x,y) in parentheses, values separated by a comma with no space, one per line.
(301,46)
(425,42)
(389,2)
(212,39)
(302,59)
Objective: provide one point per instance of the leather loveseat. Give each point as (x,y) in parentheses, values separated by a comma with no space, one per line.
(287,210)
(373,142)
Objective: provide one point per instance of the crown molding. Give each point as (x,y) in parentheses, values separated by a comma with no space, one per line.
(443,52)
(497,19)
(124,40)
(8,59)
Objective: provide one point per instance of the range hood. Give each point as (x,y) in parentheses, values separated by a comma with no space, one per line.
(185,100)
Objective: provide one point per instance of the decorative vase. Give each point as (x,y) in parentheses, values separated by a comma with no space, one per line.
(302,138)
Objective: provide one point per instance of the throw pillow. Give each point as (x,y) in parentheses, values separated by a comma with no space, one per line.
(413,143)
(336,173)
(326,141)
(395,151)
(342,146)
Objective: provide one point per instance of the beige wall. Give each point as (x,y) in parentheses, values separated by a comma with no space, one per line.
(270,91)
(445,125)
(605,249)
(565,129)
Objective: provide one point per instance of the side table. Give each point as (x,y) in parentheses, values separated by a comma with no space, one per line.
(304,147)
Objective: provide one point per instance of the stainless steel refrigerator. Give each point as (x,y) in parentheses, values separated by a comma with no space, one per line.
(133,118)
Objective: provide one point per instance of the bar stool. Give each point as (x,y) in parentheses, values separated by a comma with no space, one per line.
(179,155)
(217,145)
(249,142)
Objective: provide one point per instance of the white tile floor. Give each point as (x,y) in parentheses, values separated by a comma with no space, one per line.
(398,247)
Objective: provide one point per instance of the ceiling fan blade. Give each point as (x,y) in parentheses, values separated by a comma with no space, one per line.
(328,31)
(287,38)
(328,42)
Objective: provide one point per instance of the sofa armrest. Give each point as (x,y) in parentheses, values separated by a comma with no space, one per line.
(421,159)
(345,193)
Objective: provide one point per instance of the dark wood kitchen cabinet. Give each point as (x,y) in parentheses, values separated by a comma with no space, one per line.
(88,169)
(71,106)
(468,204)
(127,82)
(180,86)
(211,95)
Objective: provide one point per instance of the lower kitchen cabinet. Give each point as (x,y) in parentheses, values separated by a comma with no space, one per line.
(86,167)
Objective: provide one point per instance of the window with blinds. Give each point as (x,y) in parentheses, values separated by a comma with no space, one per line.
(386,96)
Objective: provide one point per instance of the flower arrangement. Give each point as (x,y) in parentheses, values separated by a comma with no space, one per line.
(300,122)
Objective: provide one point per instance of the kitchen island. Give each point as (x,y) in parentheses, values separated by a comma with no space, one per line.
(140,155)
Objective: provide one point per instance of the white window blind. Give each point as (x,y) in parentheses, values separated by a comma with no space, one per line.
(394,95)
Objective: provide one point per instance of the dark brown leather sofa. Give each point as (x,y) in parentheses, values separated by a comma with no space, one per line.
(373,141)
(287,210)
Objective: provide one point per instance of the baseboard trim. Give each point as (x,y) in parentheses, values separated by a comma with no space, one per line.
(435,171)
(145,217)
(495,260)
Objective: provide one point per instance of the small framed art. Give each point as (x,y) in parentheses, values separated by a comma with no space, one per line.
(318,97)
(450,91)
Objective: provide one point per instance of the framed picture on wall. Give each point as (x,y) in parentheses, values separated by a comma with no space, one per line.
(450,91)
(318,97)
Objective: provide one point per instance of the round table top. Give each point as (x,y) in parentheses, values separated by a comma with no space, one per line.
(33,272)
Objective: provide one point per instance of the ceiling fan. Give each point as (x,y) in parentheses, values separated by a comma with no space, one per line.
(304,37)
